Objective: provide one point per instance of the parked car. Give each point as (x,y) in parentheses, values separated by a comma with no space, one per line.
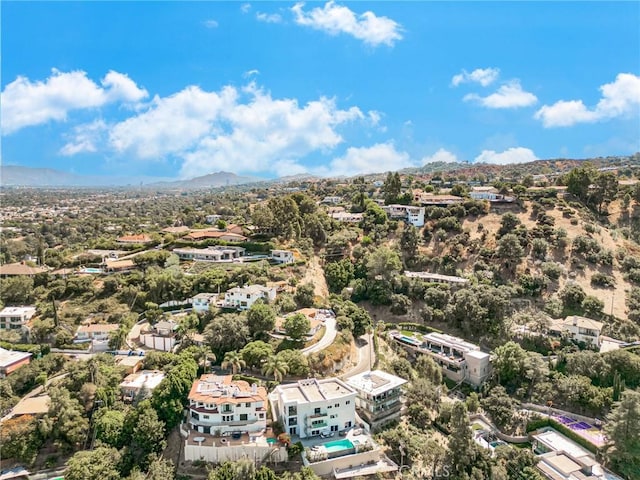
(327,434)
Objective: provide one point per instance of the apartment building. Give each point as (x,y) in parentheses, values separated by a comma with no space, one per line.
(460,360)
(243,298)
(218,406)
(16,318)
(379,396)
(313,406)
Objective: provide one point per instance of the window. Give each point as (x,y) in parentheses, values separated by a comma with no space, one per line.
(292,420)
(206,417)
(337,405)
(243,417)
(261,415)
(248,404)
(348,402)
(316,411)
(195,415)
(227,418)
(293,410)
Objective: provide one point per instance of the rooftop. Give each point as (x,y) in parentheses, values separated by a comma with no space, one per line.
(20,268)
(10,311)
(9,357)
(314,390)
(559,443)
(582,322)
(98,327)
(219,389)
(375,382)
(148,379)
(32,406)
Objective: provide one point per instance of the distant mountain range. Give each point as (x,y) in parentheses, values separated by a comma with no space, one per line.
(13,175)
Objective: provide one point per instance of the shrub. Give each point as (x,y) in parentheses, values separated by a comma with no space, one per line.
(552,270)
(602,280)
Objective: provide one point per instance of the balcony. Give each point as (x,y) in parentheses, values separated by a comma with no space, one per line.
(318,415)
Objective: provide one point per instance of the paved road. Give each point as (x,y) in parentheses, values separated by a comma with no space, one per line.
(327,339)
(366,356)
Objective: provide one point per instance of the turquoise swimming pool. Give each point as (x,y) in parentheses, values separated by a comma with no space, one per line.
(90,270)
(339,445)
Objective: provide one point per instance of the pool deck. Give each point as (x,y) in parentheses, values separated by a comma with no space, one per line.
(314,441)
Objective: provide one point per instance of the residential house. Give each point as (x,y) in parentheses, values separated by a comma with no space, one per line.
(129,363)
(491,195)
(16,318)
(243,298)
(11,360)
(227,421)
(212,218)
(163,336)
(34,406)
(437,278)
(346,217)
(331,200)
(214,253)
(460,361)
(428,200)
(202,301)
(578,329)
(313,406)
(227,236)
(379,396)
(559,458)
(95,331)
(140,385)
(176,230)
(20,269)
(115,266)
(282,256)
(141,239)
(412,215)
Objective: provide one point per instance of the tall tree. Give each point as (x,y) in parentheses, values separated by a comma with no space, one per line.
(261,318)
(297,326)
(623,433)
(233,361)
(98,464)
(275,367)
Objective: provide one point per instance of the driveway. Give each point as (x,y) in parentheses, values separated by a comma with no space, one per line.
(327,339)
(366,356)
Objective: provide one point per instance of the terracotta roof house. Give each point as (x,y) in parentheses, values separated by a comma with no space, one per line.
(20,268)
(140,239)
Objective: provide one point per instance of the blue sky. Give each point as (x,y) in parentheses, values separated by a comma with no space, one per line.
(182,89)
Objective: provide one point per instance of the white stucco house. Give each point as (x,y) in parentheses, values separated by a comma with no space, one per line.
(242,298)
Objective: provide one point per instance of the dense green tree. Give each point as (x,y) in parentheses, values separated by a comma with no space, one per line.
(255,353)
(409,241)
(508,224)
(297,326)
(391,188)
(305,295)
(65,419)
(499,405)
(109,426)
(339,274)
(572,296)
(261,318)
(383,263)
(296,361)
(98,464)
(509,362)
(170,396)
(510,250)
(227,332)
(623,432)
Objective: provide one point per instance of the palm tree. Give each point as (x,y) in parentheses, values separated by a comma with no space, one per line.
(275,367)
(233,360)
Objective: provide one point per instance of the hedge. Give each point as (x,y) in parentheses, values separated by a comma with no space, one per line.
(35,350)
(567,432)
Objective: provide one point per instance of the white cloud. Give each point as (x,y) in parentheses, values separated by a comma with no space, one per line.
(210,23)
(245,7)
(509,95)
(119,87)
(241,131)
(269,17)
(26,103)
(381,157)
(441,155)
(619,98)
(511,155)
(85,138)
(483,76)
(334,19)
(250,73)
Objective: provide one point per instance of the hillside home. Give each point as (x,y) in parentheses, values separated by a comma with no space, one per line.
(227,421)
(491,195)
(141,239)
(243,298)
(140,385)
(316,321)
(460,361)
(210,254)
(212,218)
(95,331)
(20,269)
(346,217)
(578,329)
(437,278)
(202,301)
(412,215)
(379,399)
(429,199)
(162,337)
(11,360)
(227,236)
(16,318)
(331,200)
(313,406)
(282,256)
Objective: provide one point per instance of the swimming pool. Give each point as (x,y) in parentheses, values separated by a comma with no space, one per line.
(90,270)
(339,445)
